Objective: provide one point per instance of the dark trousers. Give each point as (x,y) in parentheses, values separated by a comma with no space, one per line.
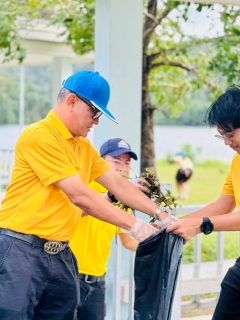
(228,306)
(92,305)
(34,284)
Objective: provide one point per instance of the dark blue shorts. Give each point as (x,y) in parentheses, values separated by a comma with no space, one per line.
(34,284)
(182,177)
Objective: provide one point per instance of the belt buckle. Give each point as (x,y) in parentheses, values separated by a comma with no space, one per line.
(86,279)
(53,247)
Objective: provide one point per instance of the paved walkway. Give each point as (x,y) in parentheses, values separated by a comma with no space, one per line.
(208,317)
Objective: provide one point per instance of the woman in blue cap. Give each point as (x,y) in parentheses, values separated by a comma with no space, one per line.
(184,173)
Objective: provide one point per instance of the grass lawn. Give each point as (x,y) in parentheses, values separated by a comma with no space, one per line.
(205,187)
(205,183)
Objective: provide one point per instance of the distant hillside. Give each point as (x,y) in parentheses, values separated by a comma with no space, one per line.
(38,87)
(38,93)
(193,115)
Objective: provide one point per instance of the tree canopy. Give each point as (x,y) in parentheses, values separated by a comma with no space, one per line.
(176,61)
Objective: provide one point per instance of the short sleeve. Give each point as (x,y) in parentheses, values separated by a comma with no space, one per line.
(99,165)
(228,187)
(45,155)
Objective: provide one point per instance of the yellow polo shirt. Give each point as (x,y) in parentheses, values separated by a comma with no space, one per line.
(231,186)
(91,244)
(46,152)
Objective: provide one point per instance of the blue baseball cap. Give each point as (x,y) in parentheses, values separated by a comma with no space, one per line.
(116,147)
(91,86)
(180,154)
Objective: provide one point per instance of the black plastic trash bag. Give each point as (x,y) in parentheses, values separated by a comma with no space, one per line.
(156,269)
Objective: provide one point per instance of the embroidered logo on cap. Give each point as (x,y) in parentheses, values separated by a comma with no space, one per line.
(123,144)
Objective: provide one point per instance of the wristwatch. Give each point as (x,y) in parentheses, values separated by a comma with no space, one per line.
(111,196)
(158,211)
(206,226)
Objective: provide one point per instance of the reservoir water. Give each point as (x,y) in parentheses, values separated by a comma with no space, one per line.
(167,139)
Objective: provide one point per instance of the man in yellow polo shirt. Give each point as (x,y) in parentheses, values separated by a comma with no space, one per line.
(91,243)
(54,163)
(224,115)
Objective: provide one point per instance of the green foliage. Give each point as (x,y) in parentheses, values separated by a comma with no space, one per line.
(183,64)
(192,115)
(177,64)
(76,16)
(205,187)
(9,40)
(38,93)
(205,184)
(38,100)
(191,152)
(209,247)
(157,193)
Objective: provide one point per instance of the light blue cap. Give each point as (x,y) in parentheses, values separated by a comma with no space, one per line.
(91,86)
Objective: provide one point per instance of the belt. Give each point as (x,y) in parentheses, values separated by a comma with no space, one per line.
(51,247)
(91,279)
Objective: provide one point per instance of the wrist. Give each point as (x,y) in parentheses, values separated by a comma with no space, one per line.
(161,214)
(206,226)
(111,197)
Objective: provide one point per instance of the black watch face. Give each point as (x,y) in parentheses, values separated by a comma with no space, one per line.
(207,227)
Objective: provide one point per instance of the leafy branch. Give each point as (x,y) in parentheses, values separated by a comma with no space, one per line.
(158,193)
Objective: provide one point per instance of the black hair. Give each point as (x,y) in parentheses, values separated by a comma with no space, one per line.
(224,113)
(62,94)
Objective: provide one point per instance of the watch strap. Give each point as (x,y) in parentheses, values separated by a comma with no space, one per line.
(158,211)
(111,196)
(206,223)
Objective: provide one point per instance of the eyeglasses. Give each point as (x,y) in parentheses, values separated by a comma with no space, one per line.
(222,137)
(97,113)
(120,162)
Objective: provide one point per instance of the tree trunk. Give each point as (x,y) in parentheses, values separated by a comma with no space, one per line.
(147,135)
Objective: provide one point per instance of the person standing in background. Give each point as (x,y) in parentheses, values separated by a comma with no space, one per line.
(91,244)
(184,173)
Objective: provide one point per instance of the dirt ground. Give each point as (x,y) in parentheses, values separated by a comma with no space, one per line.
(197,312)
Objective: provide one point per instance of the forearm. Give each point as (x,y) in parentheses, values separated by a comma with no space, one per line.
(130,195)
(105,211)
(229,222)
(105,196)
(189,226)
(128,242)
(223,205)
(93,204)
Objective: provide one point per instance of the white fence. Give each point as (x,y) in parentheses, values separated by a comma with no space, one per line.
(195,279)
(6,164)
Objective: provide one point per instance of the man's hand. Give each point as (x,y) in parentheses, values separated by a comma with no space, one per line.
(160,224)
(141,230)
(141,183)
(186,228)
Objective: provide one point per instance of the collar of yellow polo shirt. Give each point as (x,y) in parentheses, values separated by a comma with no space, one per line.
(45,153)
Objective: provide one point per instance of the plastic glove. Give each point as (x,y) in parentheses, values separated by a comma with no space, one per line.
(141,183)
(161,224)
(141,230)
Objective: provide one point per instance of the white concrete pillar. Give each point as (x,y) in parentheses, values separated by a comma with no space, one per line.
(62,69)
(176,306)
(21,98)
(118,57)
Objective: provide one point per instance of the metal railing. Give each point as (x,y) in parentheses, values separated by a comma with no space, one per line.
(176,310)
(6,165)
